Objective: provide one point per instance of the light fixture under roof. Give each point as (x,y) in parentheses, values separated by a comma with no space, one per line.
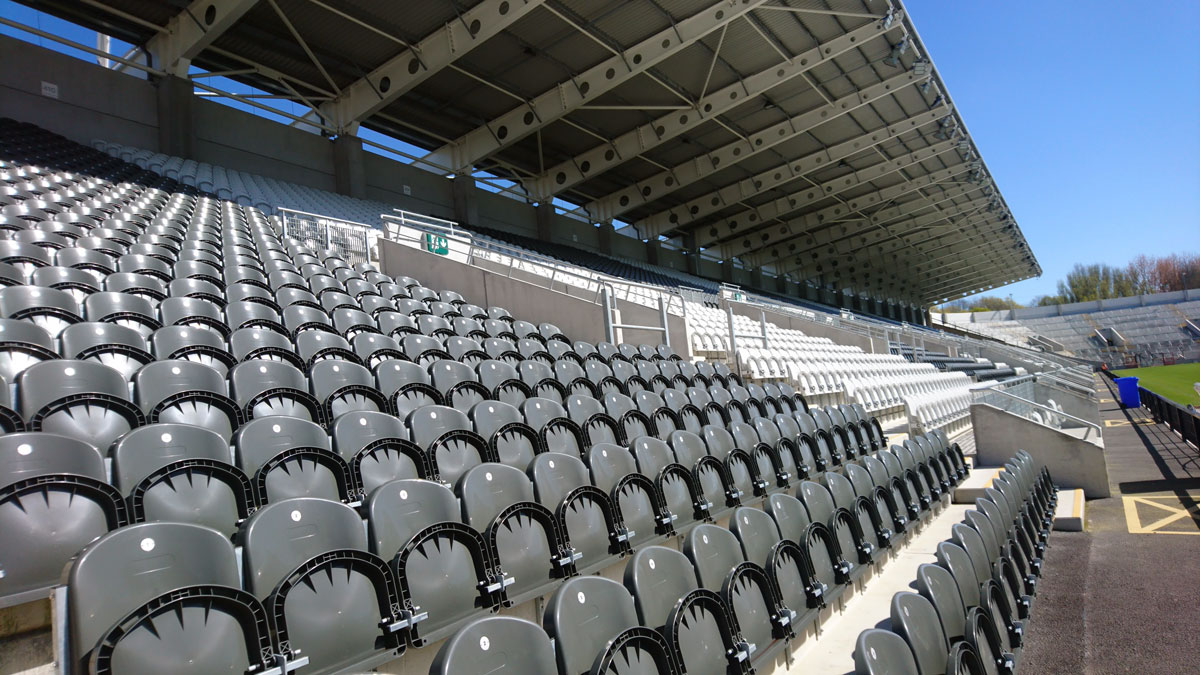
(893,59)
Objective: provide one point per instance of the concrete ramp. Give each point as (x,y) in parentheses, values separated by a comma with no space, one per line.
(1073,462)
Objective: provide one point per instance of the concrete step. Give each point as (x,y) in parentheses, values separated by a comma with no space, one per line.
(1069,514)
(972,488)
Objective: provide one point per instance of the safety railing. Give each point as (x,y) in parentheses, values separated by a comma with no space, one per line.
(355,241)
(1005,400)
(443,237)
(1184,422)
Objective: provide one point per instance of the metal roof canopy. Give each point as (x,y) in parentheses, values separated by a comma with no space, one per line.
(812,138)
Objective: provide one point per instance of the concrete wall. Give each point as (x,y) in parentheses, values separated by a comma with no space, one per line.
(1172,297)
(92,102)
(575,311)
(1072,462)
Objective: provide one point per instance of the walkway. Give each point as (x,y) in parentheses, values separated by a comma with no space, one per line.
(1124,595)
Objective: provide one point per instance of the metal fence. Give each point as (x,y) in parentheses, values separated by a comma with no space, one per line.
(1184,422)
(354,241)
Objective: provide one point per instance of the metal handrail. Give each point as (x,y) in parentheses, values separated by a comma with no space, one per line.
(514,254)
(1090,425)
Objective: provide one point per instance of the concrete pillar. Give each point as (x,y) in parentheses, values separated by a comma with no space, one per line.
(781,284)
(727,272)
(543,214)
(176,128)
(693,253)
(652,251)
(756,278)
(605,238)
(462,190)
(349,176)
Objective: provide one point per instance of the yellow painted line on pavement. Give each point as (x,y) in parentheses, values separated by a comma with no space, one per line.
(1175,510)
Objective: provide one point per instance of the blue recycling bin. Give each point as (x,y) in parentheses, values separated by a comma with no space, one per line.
(1127,387)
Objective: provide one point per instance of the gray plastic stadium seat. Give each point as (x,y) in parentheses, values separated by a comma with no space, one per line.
(503,382)
(205,347)
(513,441)
(449,440)
(23,344)
(498,501)
(870,531)
(288,457)
(247,344)
(406,385)
(78,283)
(331,600)
(785,562)
(376,445)
(597,425)
(181,473)
(738,464)
(342,387)
(165,597)
(709,473)
(123,309)
(631,420)
(373,349)
(497,645)
(744,586)
(694,620)
(856,551)
(614,470)
(915,620)
(263,388)
(585,513)
(595,629)
(316,345)
(556,431)
(81,399)
(54,499)
(186,392)
(47,308)
(882,652)
(770,470)
(539,377)
(937,585)
(458,384)
(445,571)
(681,497)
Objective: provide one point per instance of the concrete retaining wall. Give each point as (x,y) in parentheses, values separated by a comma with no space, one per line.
(1073,463)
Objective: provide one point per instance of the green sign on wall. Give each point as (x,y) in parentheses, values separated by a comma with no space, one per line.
(437,244)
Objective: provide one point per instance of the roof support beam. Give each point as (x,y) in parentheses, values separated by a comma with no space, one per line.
(705,165)
(584,87)
(738,192)
(192,30)
(772,211)
(970,281)
(648,136)
(417,63)
(807,261)
(820,228)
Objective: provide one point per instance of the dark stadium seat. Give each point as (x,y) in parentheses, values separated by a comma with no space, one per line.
(166,597)
(595,629)
(499,645)
(329,598)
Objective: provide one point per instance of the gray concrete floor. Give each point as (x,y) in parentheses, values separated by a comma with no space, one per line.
(1124,596)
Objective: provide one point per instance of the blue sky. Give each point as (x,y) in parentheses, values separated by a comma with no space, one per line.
(1087,115)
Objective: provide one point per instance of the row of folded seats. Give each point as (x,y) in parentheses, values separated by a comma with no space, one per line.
(277,444)
(971,609)
(325,587)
